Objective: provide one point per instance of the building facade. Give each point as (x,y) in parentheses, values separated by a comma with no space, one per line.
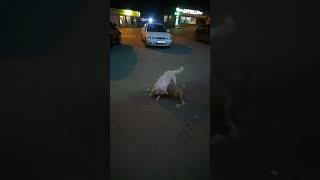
(125,17)
(184,17)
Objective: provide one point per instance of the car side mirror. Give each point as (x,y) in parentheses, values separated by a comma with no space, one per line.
(168,30)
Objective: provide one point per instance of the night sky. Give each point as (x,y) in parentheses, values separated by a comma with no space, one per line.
(157,6)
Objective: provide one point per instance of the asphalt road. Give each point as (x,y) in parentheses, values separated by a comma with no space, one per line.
(156,140)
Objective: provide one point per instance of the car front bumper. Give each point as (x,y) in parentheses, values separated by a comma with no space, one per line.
(156,42)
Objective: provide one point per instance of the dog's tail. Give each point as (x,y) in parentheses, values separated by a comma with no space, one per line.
(178,71)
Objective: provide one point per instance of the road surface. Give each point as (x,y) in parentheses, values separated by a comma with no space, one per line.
(156,140)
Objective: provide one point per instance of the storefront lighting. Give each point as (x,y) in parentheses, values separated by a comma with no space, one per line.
(127,12)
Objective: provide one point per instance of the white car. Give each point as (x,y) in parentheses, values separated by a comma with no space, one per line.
(155,34)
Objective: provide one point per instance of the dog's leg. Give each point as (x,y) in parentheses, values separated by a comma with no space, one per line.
(151,93)
(174,80)
(181,97)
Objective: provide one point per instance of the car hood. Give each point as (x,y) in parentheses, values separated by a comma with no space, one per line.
(158,34)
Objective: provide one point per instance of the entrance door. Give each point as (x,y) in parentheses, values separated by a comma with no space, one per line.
(122,21)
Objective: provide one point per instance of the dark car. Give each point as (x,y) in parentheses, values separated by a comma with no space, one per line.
(203,33)
(115,34)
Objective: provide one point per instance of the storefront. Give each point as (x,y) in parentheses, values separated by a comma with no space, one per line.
(125,17)
(184,17)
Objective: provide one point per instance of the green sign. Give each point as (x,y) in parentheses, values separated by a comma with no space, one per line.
(188,11)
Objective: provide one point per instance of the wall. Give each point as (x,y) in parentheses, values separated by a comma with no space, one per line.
(114,17)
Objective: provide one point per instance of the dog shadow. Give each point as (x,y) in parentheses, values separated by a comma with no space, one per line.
(122,61)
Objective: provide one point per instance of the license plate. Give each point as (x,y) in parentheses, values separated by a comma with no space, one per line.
(161,42)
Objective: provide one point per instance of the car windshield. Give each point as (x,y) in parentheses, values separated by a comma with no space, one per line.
(156,28)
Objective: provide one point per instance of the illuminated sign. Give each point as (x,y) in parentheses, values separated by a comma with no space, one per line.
(126,12)
(188,11)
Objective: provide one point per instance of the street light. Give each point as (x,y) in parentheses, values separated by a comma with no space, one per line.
(150,20)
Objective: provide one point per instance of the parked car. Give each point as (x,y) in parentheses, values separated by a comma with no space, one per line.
(155,34)
(203,33)
(115,34)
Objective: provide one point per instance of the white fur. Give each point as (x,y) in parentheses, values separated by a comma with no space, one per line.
(160,87)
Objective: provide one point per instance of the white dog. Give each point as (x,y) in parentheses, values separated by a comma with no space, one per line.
(161,86)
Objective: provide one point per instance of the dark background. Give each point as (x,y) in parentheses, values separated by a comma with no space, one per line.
(54,90)
(275,49)
(155,8)
(159,5)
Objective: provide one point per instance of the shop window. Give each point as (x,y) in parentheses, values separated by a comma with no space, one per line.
(188,20)
(165,18)
(128,18)
(182,19)
(193,20)
(122,20)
